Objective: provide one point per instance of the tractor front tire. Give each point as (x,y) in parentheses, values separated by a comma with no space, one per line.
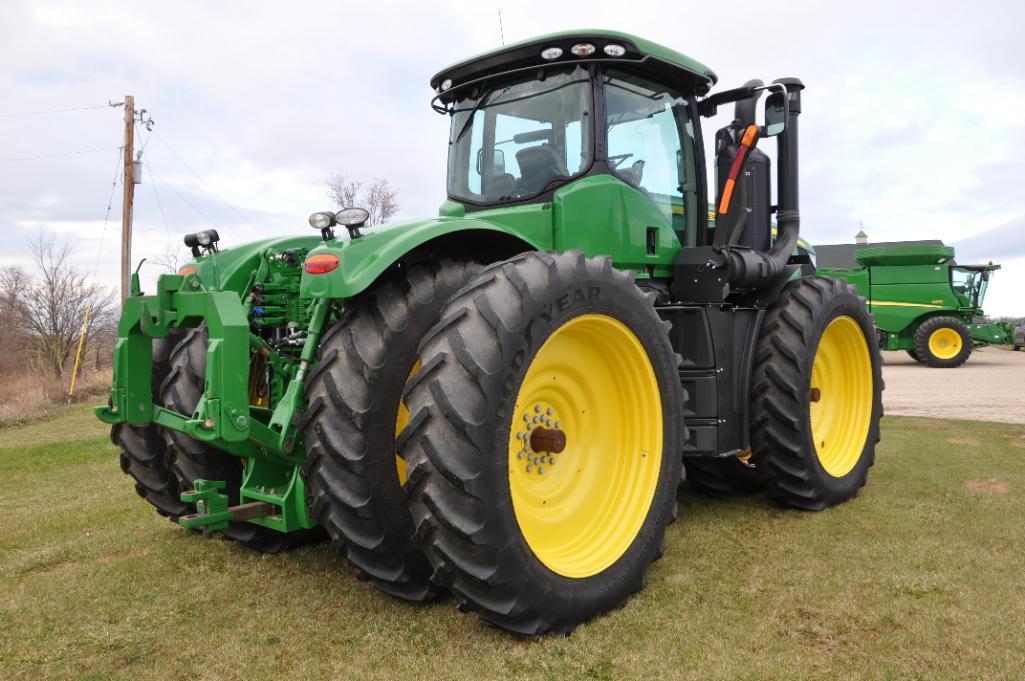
(915,356)
(943,342)
(816,394)
(355,412)
(545,441)
(191,460)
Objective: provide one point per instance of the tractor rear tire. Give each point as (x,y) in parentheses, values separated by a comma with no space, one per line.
(724,478)
(915,356)
(816,394)
(943,342)
(191,460)
(354,414)
(534,345)
(143,450)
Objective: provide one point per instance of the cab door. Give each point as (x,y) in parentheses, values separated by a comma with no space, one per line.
(636,209)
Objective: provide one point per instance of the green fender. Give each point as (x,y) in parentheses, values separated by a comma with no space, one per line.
(235,265)
(361,261)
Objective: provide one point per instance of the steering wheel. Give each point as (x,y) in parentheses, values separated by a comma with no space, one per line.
(614,161)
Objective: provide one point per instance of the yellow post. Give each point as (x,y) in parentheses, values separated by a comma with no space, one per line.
(78,353)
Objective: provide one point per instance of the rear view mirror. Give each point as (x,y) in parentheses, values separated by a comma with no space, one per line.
(497,167)
(776,110)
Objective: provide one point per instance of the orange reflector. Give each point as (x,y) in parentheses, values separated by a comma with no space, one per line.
(187,270)
(321,264)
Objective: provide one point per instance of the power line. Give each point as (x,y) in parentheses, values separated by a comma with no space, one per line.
(110,202)
(160,204)
(53,111)
(63,153)
(203,182)
(184,200)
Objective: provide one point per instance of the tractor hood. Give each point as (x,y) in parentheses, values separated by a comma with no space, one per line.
(229,269)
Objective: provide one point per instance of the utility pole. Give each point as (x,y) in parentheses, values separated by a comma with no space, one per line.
(129,198)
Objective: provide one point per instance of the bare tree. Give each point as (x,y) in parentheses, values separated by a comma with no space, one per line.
(379,197)
(13,282)
(170,259)
(52,306)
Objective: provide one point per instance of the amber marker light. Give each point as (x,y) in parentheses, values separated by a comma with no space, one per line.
(321,264)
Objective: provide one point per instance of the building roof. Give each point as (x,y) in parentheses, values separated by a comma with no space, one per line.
(833,256)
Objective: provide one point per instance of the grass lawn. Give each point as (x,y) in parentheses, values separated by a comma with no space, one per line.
(921,577)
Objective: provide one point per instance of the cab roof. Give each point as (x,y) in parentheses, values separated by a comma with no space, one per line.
(643,54)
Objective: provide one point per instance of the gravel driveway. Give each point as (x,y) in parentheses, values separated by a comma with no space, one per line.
(990,386)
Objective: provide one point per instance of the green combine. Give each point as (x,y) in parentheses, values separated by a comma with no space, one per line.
(923,302)
(500,401)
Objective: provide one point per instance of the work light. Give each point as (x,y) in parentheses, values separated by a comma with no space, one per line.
(582,49)
(614,50)
(550,53)
(322,220)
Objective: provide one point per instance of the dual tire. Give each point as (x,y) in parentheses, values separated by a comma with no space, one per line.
(816,400)
(557,363)
(165,463)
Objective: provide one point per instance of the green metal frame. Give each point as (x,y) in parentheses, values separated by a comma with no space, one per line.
(265,438)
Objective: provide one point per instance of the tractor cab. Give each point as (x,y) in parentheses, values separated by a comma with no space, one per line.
(970,283)
(605,121)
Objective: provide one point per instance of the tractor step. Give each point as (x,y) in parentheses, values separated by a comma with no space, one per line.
(213,510)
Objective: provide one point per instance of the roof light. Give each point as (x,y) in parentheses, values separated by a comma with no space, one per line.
(614,50)
(550,53)
(321,264)
(446,84)
(582,49)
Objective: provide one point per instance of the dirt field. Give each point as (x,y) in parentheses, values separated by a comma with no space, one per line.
(989,387)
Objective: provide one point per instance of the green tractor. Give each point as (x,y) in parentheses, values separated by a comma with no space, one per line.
(923,302)
(499,402)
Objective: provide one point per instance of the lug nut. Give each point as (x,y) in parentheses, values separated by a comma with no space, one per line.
(550,411)
(540,470)
(537,408)
(529,468)
(520,455)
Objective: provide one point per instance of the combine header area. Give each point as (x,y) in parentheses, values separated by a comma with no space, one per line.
(499,402)
(924,303)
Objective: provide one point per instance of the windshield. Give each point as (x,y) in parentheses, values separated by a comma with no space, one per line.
(969,285)
(513,140)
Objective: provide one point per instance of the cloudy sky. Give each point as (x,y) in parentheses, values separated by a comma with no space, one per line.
(911,125)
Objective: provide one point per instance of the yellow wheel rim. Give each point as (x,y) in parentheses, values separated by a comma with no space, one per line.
(945,343)
(591,383)
(401,420)
(840,407)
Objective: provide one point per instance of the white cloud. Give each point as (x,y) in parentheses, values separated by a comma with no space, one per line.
(910,120)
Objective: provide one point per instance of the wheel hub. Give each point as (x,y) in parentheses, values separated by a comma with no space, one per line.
(542,438)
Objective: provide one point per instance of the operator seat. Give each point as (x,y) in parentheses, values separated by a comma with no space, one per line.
(538,166)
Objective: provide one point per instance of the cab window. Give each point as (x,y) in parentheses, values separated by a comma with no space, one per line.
(650,141)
